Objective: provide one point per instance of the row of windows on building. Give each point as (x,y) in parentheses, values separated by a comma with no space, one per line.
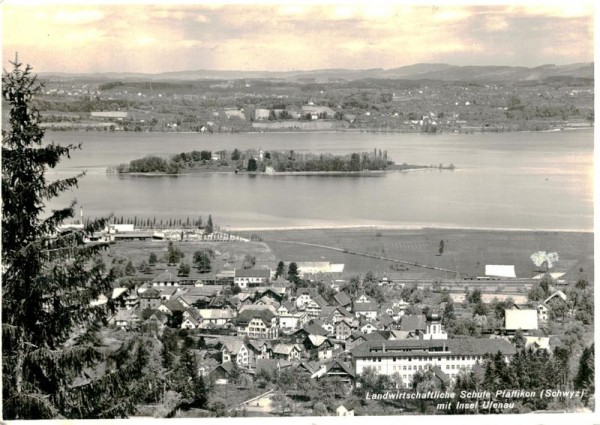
(429,359)
(423,367)
(257,328)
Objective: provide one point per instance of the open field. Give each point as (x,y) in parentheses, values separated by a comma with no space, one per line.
(467,251)
(228,255)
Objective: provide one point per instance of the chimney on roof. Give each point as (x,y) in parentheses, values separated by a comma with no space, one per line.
(383,347)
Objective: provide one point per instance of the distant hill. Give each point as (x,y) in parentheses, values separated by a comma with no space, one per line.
(421,71)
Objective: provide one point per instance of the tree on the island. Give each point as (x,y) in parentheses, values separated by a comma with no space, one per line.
(235,155)
(152,259)
(49,280)
(280,271)
(441,247)
(199,222)
(355,162)
(252,165)
(236,289)
(184,269)
(202,261)
(249,261)
(209,225)
(293,274)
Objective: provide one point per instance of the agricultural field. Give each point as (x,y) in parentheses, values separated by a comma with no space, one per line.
(228,255)
(466,251)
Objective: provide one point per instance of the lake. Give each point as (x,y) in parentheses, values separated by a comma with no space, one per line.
(518,180)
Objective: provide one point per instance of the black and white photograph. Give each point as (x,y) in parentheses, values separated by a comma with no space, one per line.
(305,210)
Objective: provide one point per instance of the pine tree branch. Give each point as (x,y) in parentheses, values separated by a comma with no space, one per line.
(21,405)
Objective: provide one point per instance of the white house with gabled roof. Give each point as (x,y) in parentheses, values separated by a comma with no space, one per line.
(245,278)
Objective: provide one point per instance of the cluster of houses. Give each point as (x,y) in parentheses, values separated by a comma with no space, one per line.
(271,325)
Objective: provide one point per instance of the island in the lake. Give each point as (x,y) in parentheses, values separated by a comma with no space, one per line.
(269,163)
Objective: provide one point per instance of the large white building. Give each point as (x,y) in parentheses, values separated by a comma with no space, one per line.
(498,270)
(245,278)
(309,268)
(406,357)
(526,319)
(292,321)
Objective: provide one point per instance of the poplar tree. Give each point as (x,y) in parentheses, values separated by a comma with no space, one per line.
(280,269)
(52,365)
(209,225)
(293,274)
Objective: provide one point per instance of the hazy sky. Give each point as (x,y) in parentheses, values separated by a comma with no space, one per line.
(277,36)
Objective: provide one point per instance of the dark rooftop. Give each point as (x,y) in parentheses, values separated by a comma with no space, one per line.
(417,347)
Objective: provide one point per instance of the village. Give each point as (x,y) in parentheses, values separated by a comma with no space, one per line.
(214,105)
(267,339)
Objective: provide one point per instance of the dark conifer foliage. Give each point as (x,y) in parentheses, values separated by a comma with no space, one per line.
(585,374)
(52,365)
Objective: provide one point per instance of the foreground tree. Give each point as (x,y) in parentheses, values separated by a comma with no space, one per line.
(51,364)
(187,382)
(584,380)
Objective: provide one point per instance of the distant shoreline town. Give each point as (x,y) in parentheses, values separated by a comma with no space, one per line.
(541,100)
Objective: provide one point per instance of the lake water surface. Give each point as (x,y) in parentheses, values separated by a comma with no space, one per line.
(510,180)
